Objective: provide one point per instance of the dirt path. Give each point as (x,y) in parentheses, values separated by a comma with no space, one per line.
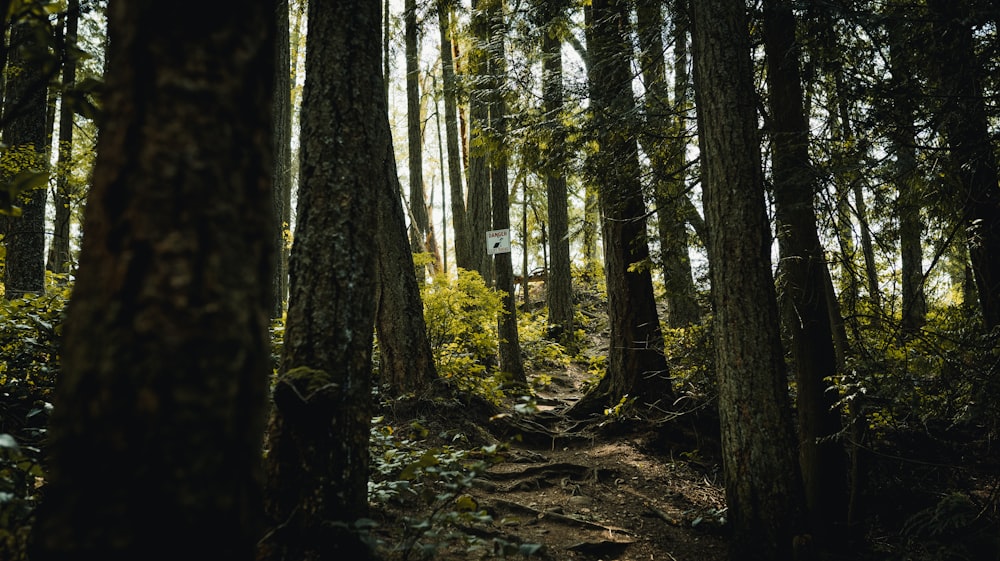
(607,491)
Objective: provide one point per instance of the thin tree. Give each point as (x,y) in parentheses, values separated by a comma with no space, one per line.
(510,345)
(902,135)
(154,444)
(421,233)
(559,283)
(463,249)
(317,464)
(664,141)
(478,196)
(973,167)
(636,366)
(803,265)
(763,486)
(282,123)
(59,247)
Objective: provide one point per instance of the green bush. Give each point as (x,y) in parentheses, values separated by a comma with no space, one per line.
(29,364)
(461,316)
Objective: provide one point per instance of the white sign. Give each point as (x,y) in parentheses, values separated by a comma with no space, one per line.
(498,241)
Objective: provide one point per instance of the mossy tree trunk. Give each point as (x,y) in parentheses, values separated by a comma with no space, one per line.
(155,437)
(317,465)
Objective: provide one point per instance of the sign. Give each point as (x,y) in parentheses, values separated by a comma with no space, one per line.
(498,241)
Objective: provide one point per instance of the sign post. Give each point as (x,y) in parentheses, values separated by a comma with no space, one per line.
(498,241)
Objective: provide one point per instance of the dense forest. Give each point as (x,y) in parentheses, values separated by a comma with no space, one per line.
(611,279)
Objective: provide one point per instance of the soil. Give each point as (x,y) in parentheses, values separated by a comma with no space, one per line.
(625,489)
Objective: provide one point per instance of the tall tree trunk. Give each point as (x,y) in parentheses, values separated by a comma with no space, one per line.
(282,123)
(62,200)
(973,161)
(510,345)
(478,202)
(459,221)
(26,137)
(420,228)
(154,443)
(665,145)
(406,363)
(636,366)
(763,485)
(318,461)
(558,283)
(803,263)
(903,137)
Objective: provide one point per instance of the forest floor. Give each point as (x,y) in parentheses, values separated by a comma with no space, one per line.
(603,489)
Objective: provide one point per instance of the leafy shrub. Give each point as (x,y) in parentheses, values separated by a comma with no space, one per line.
(461,318)
(29,364)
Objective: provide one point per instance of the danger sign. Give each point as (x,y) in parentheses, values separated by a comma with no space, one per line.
(498,241)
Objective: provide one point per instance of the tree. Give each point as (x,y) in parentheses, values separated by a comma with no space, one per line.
(558,284)
(59,248)
(421,233)
(317,465)
(636,366)
(155,437)
(973,164)
(478,196)
(463,249)
(282,123)
(25,134)
(763,488)
(902,133)
(510,346)
(406,363)
(803,271)
(664,140)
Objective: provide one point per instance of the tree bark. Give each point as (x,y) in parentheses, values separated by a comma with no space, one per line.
(803,264)
(26,137)
(763,486)
(463,249)
(510,345)
(59,248)
(282,123)
(973,161)
(636,366)
(478,202)
(558,283)
(155,437)
(317,465)
(406,363)
(665,144)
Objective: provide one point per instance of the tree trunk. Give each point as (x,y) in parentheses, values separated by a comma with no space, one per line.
(155,438)
(59,248)
(763,486)
(510,345)
(903,135)
(636,366)
(420,222)
(558,283)
(973,162)
(463,249)
(664,142)
(406,364)
(318,461)
(282,123)
(478,201)
(821,456)
(26,137)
